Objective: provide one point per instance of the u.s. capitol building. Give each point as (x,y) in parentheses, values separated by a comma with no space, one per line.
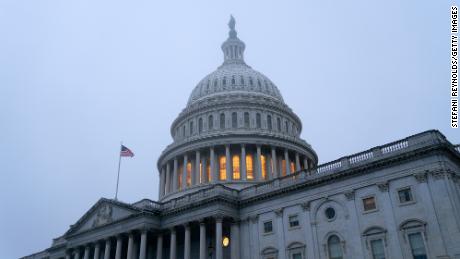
(239,182)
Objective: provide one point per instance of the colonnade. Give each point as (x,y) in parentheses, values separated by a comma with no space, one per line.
(116,248)
(242,162)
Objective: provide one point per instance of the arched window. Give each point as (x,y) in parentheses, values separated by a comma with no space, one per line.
(278,122)
(207,87)
(283,168)
(233,80)
(183,131)
(223,168)
(246,119)
(222,120)
(292,167)
(200,125)
(414,230)
(191,128)
(249,167)
(258,121)
(179,175)
(234,120)
(259,84)
(263,161)
(208,172)
(242,80)
(215,84)
(286,126)
(269,122)
(334,247)
(224,81)
(236,167)
(210,122)
(251,83)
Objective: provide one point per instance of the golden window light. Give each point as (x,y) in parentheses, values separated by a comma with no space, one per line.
(223,168)
(263,162)
(236,167)
(249,167)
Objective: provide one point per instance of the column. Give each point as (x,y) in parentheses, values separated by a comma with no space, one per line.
(143,248)
(162,183)
(258,165)
(228,164)
(77,254)
(107,248)
(202,240)
(184,172)
(159,246)
(175,176)
(243,163)
(297,162)
(168,178)
(219,254)
(235,240)
(288,163)
(119,247)
(212,163)
(86,254)
(197,175)
(305,163)
(97,250)
(130,246)
(274,163)
(187,241)
(172,251)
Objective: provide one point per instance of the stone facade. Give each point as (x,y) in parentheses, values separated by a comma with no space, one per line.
(399,200)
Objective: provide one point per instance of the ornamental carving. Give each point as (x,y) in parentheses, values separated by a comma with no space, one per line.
(421,177)
(350,195)
(103,216)
(305,205)
(279,212)
(383,186)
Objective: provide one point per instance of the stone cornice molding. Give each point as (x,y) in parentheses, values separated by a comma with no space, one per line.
(306,205)
(253,218)
(421,177)
(279,212)
(350,195)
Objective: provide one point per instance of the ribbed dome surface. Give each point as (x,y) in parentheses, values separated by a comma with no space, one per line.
(230,78)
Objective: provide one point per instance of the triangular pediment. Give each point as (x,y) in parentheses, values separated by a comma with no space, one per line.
(104,212)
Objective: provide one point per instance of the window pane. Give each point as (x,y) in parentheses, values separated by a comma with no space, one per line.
(369,204)
(417,246)
(283,167)
(249,167)
(223,168)
(405,195)
(263,161)
(236,167)
(335,249)
(377,249)
(268,227)
(297,256)
(189,174)
(293,221)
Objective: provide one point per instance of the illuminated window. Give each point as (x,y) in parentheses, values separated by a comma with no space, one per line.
(208,172)
(222,168)
(292,167)
(249,167)
(225,241)
(201,173)
(180,176)
(189,174)
(283,167)
(263,161)
(236,167)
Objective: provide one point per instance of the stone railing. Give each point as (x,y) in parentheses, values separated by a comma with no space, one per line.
(421,140)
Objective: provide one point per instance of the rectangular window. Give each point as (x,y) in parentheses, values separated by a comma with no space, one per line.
(297,256)
(249,167)
(223,168)
(417,246)
(268,227)
(263,161)
(293,221)
(405,195)
(189,174)
(369,204)
(236,167)
(378,251)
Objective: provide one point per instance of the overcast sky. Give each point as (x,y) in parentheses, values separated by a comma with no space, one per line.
(77,77)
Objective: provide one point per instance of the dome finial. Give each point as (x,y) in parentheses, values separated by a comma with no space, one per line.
(231,25)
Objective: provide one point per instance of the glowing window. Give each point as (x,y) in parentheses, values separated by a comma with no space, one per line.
(180,176)
(223,168)
(263,161)
(201,173)
(249,167)
(283,167)
(225,241)
(208,172)
(189,174)
(236,167)
(292,167)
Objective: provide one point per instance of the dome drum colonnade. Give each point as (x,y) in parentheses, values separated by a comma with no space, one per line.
(236,130)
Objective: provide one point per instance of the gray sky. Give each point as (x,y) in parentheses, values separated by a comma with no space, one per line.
(76,77)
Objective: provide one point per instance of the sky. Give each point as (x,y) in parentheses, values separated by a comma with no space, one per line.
(78,77)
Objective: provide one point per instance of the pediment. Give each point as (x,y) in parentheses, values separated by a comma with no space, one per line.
(104,212)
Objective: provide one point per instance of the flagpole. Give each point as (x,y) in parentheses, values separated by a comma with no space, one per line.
(119,165)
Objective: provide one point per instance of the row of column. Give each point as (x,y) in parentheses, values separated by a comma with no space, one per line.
(98,252)
(198,168)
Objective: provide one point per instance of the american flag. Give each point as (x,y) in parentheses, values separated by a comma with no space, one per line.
(126,151)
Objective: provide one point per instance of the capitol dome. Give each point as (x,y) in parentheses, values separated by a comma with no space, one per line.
(235,130)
